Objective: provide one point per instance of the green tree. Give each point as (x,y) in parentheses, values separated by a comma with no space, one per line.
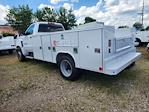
(38,15)
(46,14)
(67,18)
(71,19)
(20,18)
(138,26)
(89,19)
(62,17)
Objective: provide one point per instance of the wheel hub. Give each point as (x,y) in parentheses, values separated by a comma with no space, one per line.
(66,68)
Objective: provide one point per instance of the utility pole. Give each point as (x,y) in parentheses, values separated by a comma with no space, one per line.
(142,13)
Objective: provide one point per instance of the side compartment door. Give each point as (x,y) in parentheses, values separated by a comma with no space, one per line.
(90,46)
(37,47)
(47,48)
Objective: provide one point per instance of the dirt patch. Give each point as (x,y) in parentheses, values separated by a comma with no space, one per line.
(37,86)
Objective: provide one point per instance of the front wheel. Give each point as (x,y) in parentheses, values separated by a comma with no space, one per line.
(20,55)
(10,51)
(148,49)
(67,68)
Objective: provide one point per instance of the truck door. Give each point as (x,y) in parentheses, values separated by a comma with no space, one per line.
(27,41)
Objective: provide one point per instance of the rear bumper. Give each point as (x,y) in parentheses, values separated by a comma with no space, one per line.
(116,65)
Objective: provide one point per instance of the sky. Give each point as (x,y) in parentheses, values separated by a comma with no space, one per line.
(111,12)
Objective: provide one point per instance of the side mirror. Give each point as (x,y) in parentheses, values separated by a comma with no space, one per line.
(21,34)
(15,37)
(26,33)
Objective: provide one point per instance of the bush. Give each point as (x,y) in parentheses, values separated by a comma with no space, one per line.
(5,34)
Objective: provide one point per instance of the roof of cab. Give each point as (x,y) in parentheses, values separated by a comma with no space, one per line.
(47,23)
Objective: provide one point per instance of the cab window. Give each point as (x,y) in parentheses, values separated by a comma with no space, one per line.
(29,31)
(50,28)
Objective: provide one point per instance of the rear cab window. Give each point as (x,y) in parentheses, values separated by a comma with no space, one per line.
(50,28)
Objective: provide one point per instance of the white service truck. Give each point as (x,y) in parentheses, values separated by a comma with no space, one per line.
(142,37)
(7,44)
(92,46)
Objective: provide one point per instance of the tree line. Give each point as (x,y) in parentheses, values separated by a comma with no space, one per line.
(22,16)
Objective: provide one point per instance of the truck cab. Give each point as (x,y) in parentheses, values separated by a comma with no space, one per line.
(141,37)
(26,40)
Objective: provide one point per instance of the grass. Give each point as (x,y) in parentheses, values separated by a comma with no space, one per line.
(37,86)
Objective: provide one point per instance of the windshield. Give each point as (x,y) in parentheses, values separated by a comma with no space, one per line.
(50,28)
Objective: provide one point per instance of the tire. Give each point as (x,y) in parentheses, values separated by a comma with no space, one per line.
(137,42)
(67,68)
(20,55)
(10,51)
(148,49)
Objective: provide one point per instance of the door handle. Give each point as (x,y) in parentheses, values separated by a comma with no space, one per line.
(62,36)
(30,37)
(40,47)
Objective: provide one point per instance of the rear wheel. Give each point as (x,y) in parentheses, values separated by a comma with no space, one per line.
(131,65)
(137,42)
(67,68)
(20,55)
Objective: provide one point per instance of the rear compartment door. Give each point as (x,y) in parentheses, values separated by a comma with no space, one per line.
(90,50)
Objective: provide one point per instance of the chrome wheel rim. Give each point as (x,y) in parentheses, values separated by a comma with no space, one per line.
(66,68)
(136,43)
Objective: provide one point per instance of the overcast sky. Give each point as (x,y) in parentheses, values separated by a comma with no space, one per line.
(112,12)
